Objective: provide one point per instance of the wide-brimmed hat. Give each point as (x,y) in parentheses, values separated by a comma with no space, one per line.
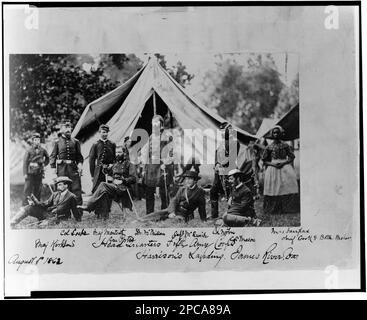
(63,179)
(191,174)
(234,171)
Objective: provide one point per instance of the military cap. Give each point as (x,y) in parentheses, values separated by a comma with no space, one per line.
(63,179)
(191,174)
(234,171)
(104,127)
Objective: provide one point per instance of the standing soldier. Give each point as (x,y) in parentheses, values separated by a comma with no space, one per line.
(225,160)
(67,160)
(35,159)
(157,172)
(102,155)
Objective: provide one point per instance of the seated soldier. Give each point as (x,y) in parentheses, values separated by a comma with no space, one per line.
(123,177)
(188,198)
(58,206)
(241,203)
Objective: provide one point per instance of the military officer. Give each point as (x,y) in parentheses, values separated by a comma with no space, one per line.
(35,159)
(102,155)
(123,176)
(58,206)
(188,198)
(241,203)
(225,160)
(158,170)
(67,160)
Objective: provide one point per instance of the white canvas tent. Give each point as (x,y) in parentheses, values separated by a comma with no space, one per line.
(132,105)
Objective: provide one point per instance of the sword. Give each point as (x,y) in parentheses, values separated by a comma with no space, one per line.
(221,178)
(165,184)
(132,202)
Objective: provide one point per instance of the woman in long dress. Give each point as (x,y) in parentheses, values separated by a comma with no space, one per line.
(280,180)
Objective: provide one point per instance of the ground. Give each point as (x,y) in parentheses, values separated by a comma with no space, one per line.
(127,219)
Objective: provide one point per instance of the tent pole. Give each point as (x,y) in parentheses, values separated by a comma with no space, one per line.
(154,104)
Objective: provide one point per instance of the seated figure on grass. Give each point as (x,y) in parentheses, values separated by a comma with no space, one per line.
(188,198)
(58,207)
(241,210)
(122,177)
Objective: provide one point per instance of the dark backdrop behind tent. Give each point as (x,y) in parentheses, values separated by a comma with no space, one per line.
(131,106)
(290,123)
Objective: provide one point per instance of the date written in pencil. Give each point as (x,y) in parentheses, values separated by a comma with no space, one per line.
(19,261)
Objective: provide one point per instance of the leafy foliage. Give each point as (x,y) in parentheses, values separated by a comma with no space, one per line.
(177,72)
(247,93)
(47,89)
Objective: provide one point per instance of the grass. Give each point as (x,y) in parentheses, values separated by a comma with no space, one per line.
(127,219)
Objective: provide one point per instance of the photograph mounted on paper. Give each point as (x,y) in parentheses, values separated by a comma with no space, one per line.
(154,140)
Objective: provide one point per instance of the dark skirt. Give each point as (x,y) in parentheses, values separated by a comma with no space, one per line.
(284,204)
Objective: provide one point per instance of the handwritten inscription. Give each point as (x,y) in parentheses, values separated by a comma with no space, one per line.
(19,261)
(271,254)
(279,245)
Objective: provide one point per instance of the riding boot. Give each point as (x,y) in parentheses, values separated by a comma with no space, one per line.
(214,205)
(19,216)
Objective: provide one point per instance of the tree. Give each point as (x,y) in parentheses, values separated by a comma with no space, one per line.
(244,93)
(288,97)
(119,67)
(47,89)
(177,72)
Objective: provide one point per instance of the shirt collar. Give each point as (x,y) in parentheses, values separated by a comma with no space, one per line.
(62,193)
(65,137)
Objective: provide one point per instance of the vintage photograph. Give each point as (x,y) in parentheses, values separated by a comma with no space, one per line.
(182,148)
(168,140)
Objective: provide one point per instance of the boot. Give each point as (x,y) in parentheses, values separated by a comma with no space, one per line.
(232,220)
(214,205)
(19,216)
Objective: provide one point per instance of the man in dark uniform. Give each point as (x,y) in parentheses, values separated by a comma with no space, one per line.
(225,160)
(102,155)
(67,160)
(59,206)
(35,159)
(158,170)
(188,198)
(241,210)
(122,173)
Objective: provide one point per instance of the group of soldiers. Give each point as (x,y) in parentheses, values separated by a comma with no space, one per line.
(114,177)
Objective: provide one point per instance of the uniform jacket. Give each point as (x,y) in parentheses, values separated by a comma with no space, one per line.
(154,175)
(37,155)
(66,149)
(101,152)
(124,169)
(242,202)
(64,204)
(190,199)
(226,159)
